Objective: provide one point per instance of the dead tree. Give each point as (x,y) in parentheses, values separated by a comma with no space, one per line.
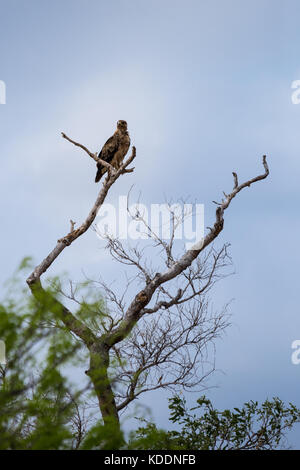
(159,337)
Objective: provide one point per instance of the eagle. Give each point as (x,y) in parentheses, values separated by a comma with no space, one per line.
(114,149)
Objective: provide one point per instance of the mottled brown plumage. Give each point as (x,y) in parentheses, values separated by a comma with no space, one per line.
(114,149)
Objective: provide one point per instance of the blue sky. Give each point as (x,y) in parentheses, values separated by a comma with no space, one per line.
(206,89)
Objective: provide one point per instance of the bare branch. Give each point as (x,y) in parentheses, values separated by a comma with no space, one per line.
(164,304)
(33,281)
(135,310)
(92,155)
(236,182)
(72,225)
(73,235)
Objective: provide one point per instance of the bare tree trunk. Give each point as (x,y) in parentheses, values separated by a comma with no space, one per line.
(98,373)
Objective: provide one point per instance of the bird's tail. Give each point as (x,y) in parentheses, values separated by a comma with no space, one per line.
(99,174)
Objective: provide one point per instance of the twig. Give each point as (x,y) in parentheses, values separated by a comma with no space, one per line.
(92,155)
(72,225)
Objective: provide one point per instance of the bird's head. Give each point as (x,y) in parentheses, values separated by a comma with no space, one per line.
(122,125)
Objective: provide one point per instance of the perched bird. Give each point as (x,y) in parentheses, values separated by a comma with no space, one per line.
(114,149)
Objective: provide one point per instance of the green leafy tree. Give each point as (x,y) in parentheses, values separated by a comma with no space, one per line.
(39,407)
(202,427)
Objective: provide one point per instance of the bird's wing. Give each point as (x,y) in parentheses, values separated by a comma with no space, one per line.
(109,149)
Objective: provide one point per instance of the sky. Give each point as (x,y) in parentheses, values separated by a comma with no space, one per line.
(205,87)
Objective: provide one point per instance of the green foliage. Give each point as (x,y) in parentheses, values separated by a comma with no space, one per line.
(35,403)
(39,407)
(103,437)
(252,427)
